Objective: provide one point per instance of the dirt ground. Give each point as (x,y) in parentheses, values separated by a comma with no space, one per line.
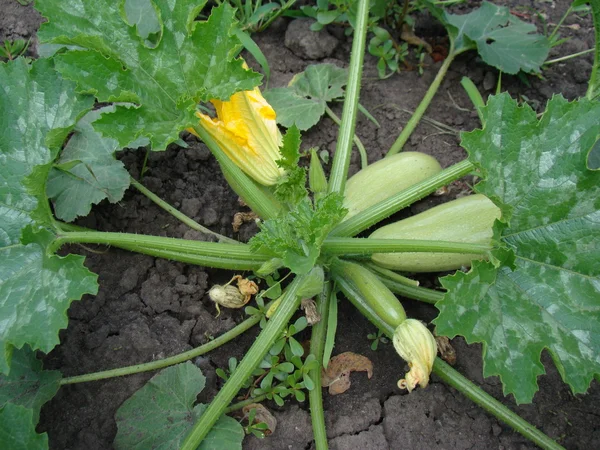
(148,308)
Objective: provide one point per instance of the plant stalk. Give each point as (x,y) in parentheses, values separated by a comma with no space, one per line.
(178,214)
(395,203)
(265,340)
(368,246)
(414,292)
(253,196)
(594,83)
(458,381)
(240,405)
(431,91)
(359,145)
(172,360)
(317,345)
(341,159)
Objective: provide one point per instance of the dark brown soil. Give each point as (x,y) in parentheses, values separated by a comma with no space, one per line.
(147,309)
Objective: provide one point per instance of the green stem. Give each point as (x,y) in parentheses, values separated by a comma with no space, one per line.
(567,57)
(341,159)
(178,214)
(395,203)
(415,292)
(243,186)
(414,120)
(265,340)
(456,380)
(368,246)
(359,145)
(240,405)
(317,345)
(176,359)
(558,25)
(211,254)
(391,275)
(474,96)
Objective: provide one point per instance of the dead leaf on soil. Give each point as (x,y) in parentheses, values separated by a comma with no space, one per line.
(262,415)
(408,35)
(447,352)
(337,375)
(240,218)
(309,307)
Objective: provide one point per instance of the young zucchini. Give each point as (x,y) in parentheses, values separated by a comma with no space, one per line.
(387,177)
(468,219)
(375,294)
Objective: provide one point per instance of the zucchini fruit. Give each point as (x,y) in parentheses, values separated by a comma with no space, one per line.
(386,178)
(467,219)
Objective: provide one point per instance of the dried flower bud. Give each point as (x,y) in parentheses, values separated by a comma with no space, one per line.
(416,345)
(309,307)
(231,296)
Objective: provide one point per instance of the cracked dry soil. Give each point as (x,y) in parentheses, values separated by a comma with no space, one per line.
(149,308)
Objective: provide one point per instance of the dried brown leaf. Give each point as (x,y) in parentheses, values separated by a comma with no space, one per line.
(262,415)
(447,352)
(240,218)
(337,375)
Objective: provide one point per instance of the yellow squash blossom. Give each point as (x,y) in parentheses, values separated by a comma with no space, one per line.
(416,345)
(246,131)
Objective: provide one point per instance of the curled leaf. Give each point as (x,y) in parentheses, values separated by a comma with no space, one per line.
(337,375)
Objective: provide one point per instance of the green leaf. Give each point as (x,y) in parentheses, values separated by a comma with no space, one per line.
(17,430)
(143,14)
(193,62)
(303,102)
(296,236)
(502,40)
(291,187)
(86,171)
(28,384)
(535,171)
(38,109)
(161,414)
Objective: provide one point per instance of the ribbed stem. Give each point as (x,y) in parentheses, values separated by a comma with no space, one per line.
(368,246)
(178,214)
(265,340)
(172,360)
(341,159)
(317,345)
(386,208)
(359,145)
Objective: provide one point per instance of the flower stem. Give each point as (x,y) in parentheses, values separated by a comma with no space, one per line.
(391,275)
(359,145)
(341,159)
(395,203)
(265,340)
(240,405)
(416,117)
(255,198)
(172,360)
(455,379)
(368,246)
(178,214)
(317,345)
(415,292)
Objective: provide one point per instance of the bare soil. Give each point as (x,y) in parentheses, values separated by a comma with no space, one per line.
(148,308)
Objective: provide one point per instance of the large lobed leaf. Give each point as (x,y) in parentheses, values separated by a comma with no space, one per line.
(37,111)
(160,414)
(535,171)
(17,430)
(192,62)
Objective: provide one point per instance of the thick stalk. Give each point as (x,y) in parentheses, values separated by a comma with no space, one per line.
(265,340)
(380,271)
(172,360)
(415,292)
(368,246)
(200,248)
(178,214)
(341,159)
(359,145)
(416,117)
(456,380)
(395,203)
(243,186)
(317,345)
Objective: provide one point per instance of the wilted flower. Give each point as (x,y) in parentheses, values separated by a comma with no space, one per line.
(416,345)
(246,131)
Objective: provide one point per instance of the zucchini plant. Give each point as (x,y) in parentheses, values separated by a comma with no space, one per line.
(530,234)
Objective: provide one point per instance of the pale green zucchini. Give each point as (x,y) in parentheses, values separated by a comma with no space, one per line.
(387,177)
(468,219)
